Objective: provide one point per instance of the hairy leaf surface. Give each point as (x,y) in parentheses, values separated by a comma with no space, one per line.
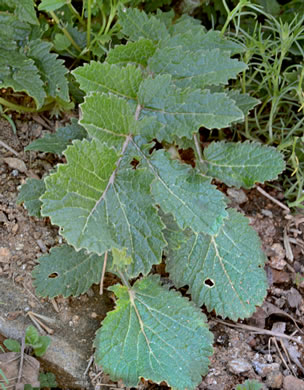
(224,272)
(154,333)
(30,193)
(195,68)
(136,24)
(97,77)
(243,164)
(136,53)
(108,119)
(190,197)
(57,142)
(108,201)
(66,272)
(183,111)
(244,101)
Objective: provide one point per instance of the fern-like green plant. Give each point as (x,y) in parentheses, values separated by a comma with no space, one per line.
(125,197)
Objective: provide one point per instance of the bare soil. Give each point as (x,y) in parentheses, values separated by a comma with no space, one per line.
(23,239)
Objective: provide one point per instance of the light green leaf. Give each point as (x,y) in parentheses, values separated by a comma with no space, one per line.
(244,101)
(20,73)
(108,119)
(196,39)
(243,164)
(61,42)
(182,112)
(57,142)
(42,346)
(120,258)
(224,272)
(137,24)
(31,335)
(47,380)
(185,24)
(30,193)
(108,201)
(12,345)
(66,272)
(156,334)
(195,68)
(51,69)
(51,5)
(136,53)
(97,77)
(249,385)
(190,197)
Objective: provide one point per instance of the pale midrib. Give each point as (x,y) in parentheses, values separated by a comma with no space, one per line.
(113,176)
(226,273)
(110,182)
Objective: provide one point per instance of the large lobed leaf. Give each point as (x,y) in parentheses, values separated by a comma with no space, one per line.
(111,207)
(224,271)
(156,334)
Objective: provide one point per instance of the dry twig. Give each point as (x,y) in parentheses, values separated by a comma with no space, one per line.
(9,148)
(273,199)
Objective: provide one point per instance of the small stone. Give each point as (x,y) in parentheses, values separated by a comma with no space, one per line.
(239,366)
(237,196)
(293,383)
(267,213)
(3,218)
(15,163)
(5,255)
(19,246)
(263,369)
(277,261)
(274,380)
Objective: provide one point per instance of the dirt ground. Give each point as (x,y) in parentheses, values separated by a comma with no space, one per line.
(239,353)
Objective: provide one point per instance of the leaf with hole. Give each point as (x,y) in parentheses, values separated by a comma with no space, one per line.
(224,272)
(66,272)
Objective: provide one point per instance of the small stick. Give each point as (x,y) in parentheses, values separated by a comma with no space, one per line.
(44,318)
(260,331)
(54,303)
(89,365)
(103,272)
(9,148)
(39,323)
(21,361)
(273,199)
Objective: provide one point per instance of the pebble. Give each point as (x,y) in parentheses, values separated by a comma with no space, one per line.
(263,369)
(277,261)
(5,255)
(238,366)
(274,380)
(237,196)
(293,383)
(16,163)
